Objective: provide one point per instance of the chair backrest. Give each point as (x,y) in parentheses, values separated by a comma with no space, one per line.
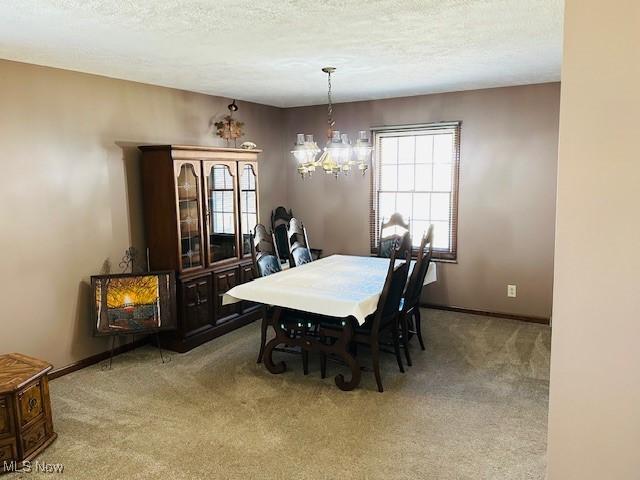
(280,215)
(280,218)
(416,280)
(264,252)
(394,285)
(397,236)
(299,250)
(296,232)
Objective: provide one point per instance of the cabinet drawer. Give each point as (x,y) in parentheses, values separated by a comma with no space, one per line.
(196,304)
(30,403)
(6,423)
(33,437)
(247,273)
(8,451)
(223,282)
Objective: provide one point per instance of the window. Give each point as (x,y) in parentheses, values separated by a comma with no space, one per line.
(221,202)
(416,174)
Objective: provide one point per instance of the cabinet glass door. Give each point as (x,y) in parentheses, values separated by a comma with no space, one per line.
(190,228)
(248,203)
(221,211)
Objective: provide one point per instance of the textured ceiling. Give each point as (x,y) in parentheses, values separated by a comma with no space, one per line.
(271,51)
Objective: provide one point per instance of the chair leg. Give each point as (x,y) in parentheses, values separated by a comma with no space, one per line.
(396,345)
(323,357)
(405,338)
(305,352)
(305,362)
(263,335)
(416,313)
(375,354)
(323,365)
(411,326)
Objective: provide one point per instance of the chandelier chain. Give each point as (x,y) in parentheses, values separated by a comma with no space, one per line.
(330,105)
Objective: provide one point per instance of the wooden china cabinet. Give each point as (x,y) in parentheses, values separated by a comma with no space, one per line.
(200,205)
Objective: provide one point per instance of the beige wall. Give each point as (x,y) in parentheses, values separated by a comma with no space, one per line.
(507,191)
(70,190)
(594,418)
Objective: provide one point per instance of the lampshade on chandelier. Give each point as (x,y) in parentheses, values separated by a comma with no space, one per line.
(339,156)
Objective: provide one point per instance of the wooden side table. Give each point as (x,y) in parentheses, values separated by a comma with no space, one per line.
(26,428)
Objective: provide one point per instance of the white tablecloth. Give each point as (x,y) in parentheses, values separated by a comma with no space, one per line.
(338,286)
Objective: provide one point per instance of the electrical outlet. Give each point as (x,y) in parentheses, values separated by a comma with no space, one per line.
(511,291)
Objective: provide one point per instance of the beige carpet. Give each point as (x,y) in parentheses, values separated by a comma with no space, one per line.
(473,406)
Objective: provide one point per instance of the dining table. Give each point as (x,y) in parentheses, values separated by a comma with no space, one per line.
(345,288)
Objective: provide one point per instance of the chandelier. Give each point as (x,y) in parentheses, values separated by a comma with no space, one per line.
(339,156)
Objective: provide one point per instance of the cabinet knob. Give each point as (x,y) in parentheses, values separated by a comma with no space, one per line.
(33,403)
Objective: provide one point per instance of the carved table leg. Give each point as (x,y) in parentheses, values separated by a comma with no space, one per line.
(281,337)
(263,332)
(341,348)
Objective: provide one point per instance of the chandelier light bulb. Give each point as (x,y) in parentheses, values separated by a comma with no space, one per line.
(348,161)
(312,151)
(299,149)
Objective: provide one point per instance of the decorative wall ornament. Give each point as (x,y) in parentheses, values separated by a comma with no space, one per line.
(230,128)
(129,262)
(339,156)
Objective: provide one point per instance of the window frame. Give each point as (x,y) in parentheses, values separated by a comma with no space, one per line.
(450,255)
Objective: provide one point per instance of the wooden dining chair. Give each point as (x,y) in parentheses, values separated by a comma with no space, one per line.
(280,218)
(410,304)
(265,262)
(299,250)
(264,253)
(399,238)
(384,319)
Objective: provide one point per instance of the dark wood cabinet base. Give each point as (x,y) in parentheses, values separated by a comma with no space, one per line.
(184,344)
(42,447)
(26,426)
